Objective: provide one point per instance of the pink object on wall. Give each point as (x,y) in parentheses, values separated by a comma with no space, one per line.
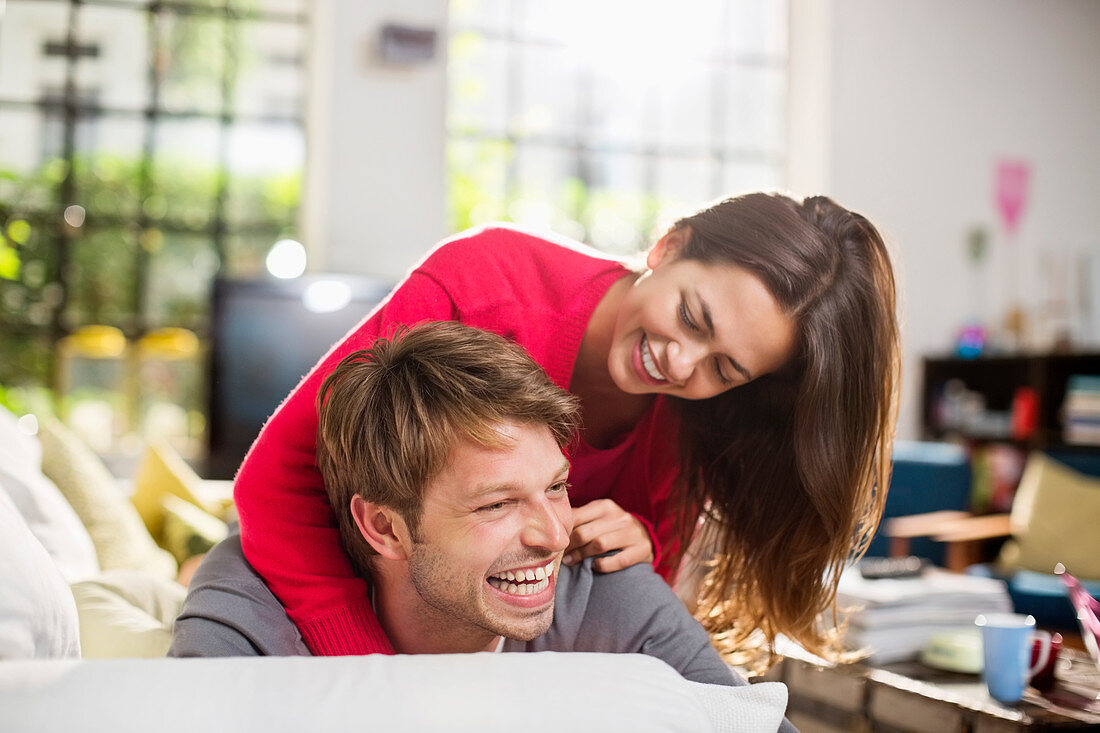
(1011,180)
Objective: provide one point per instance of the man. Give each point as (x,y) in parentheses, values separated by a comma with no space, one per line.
(442,454)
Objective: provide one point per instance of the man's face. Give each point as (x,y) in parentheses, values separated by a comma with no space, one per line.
(492,531)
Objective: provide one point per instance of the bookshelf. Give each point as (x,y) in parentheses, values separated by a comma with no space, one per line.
(980,399)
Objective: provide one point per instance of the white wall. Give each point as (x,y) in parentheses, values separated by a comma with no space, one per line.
(900,109)
(923,96)
(374,192)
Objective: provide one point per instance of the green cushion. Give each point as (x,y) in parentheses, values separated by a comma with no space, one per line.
(1054,520)
(188,530)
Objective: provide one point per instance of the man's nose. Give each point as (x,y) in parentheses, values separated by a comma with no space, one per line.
(548,526)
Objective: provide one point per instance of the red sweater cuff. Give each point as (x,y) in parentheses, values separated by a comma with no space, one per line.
(349,629)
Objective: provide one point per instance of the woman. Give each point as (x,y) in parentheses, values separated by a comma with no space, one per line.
(747,375)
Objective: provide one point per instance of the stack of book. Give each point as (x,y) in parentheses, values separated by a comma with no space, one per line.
(894,618)
(1081,410)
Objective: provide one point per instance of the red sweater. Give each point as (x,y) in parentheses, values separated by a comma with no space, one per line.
(536,292)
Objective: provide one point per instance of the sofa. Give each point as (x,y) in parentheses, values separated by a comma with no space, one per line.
(89,590)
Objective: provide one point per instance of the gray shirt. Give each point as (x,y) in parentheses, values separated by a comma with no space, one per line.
(230,611)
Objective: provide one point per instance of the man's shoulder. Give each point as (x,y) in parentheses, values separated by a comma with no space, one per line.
(230,611)
(588,603)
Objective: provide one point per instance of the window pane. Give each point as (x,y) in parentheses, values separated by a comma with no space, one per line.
(273,6)
(25,183)
(687,106)
(28,298)
(85,122)
(117,71)
(548,96)
(190,61)
(108,181)
(185,172)
(24,360)
(686,182)
(624,113)
(556,22)
(548,191)
(270,60)
(265,165)
(477,69)
(477,181)
(759,120)
(483,15)
(746,177)
(102,273)
(246,251)
(181,269)
(543,170)
(25,68)
(620,111)
(760,27)
(617,215)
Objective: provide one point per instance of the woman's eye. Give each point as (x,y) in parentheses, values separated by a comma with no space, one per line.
(686,317)
(718,370)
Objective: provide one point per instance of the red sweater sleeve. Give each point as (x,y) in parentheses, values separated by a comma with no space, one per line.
(288,530)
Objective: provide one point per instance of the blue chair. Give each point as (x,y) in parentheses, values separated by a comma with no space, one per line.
(927,477)
(1041,595)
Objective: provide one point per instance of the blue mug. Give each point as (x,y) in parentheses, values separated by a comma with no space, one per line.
(1007,639)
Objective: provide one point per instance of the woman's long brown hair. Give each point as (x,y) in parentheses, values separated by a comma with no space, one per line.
(791,470)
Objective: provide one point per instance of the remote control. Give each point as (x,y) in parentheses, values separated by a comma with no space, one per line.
(875,568)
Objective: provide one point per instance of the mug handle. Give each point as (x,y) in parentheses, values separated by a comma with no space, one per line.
(1044,653)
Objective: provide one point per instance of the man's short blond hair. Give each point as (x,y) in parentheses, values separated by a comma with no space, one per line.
(390,415)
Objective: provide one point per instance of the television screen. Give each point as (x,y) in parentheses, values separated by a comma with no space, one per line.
(266,335)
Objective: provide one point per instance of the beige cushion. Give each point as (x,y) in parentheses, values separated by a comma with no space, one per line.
(120,537)
(188,530)
(126,613)
(1054,520)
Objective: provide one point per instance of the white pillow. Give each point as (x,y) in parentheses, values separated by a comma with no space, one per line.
(127,613)
(46,511)
(543,692)
(37,611)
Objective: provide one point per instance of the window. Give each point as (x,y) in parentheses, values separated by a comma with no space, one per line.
(603,120)
(144,148)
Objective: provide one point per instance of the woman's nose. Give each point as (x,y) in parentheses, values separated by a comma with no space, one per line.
(683,356)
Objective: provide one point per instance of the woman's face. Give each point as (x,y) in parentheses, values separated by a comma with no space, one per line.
(695,330)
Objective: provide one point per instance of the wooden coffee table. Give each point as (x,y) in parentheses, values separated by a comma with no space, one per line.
(909,696)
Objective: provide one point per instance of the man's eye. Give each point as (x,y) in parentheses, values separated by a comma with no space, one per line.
(495,507)
(562,487)
(686,317)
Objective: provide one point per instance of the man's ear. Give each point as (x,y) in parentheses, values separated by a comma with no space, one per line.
(382,527)
(668,246)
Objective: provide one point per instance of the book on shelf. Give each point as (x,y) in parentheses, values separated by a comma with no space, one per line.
(1081,410)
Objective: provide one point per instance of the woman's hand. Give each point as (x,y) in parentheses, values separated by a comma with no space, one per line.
(602,526)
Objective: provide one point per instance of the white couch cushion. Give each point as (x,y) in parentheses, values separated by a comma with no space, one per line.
(41,503)
(37,612)
(546,691)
